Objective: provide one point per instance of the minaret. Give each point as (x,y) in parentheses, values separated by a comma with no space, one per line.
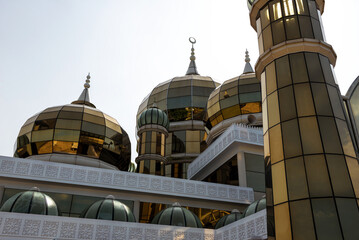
(312,173)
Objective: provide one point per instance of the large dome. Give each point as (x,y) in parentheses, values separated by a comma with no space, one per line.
(182,98)
(77,129)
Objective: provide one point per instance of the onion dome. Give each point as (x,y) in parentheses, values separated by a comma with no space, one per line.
(79,132)
(235,97)
(181,98)
(33,202)
(153,116)
(177,216)
(109,209)
(255,207)
(228,219)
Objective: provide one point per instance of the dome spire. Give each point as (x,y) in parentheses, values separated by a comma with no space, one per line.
(84,98)
(248,68)
(192,69)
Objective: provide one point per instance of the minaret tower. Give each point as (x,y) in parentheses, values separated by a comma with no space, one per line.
(312,173)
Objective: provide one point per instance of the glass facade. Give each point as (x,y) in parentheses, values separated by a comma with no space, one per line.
(77,130)
(234,97)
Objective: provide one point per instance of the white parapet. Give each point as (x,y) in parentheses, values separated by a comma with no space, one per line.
(235,134)
(18,226)
(52,172)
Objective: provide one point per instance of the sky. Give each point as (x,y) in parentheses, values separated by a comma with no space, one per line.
(47,47)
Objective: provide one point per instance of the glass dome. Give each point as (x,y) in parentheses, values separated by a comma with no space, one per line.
(109,209)
(237,96)
(177,216)
(228,219)
(255,207)
(75,129)
(181,98)
(33,202)
(153,116)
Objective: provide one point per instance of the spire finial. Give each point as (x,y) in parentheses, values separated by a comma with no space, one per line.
(247,57)
(87,84)
(192,69)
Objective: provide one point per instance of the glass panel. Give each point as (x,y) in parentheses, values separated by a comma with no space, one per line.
(279,183)
(321,99)
(328,74)
(251,108)
(260,44)
(26,129)
(66,135)
(299,68)
(67,147)
(296,177)
(283,72)
(231,112)
(94,119)
(42,147)
(273,109)
(305,27)
(345,138)
(349,217)
(317,174)
(68,124)
(282,222)
(93,128)
(276,147)
(330,136)
(317,29)
(179,102)
(302,7)
(353,167)
(302,221)
(73,108)
(250,97)
(335,99)
(93,112)
(339,176)
(292,28)
(276,11)
(326,219)
(42,135)
(288,7)
(44,124)
(113,126)
(80,203)
(265,116)
(304,101)
(254,163)
(271,80)
(178,92)
(287,103)
(278,32)
(70,115)
(256,181)
(291,139)
(311,140)
(48,115)
(267,38)
(265,17)
(314,67)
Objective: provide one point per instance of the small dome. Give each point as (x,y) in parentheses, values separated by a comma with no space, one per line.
(228,219)
(153,116)
(177,216)
(33,202)
(255,207)
(109,209)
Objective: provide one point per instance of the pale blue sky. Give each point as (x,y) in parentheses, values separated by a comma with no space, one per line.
(47,47)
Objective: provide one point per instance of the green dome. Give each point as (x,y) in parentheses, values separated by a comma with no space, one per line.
(255,207)
(228,219)
(153,116)
(33,202)
(177,216)
(109,209)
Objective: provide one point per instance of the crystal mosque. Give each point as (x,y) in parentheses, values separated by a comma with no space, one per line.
(269,154)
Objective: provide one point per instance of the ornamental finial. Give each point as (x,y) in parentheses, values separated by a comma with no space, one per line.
(87,84)
(247,57)
(193,41)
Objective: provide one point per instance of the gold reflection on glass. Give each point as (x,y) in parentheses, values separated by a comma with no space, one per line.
(353,167)
(276,147)
(42,135)
(311,140)
(277,11)
(300,7)
(279,183)
(288,7)
(65,147)
(302,221)
(282,222)
(44,147)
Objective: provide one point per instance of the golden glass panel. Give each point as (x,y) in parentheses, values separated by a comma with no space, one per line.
(52,109)
(43,147)
(326,219)
(339,176)
(231,112)
(66,135)
(287,103)
(73,108)
(283,72)
(302,7)
(26,129)
(298,67)
(336,101)
(143,148)
(88,139)
(304,100)
(176,83)
(279,183)
(321,99)
(276,12)
(163,150)
(153,148)
(193,147)
(42,135)
(266,145)
(93,128)
(278,32)
(314,67)
(267,38)
(93,119)
(192,136)
(65,147)
(345,137)
(153,136)
(271,79)
(276,147)
(143,137)
(353,168)
(109,118)
(49,115)
(302,221)
(317,174)
(349,217)
(282,222)
(311,140)
(330,136)
(93,112)
(291,139)
(254,107)
(296,177)
(305,27)
(292,28)
(288,7)
(273,109)
(68,124)
(264,15)
(113,126)
(31,120)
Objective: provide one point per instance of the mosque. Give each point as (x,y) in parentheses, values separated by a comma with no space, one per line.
(269,154)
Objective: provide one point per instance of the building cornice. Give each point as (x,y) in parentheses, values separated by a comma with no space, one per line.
(259,4)
(295,46)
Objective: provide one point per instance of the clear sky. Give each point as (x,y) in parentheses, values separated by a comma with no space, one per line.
(47,47)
